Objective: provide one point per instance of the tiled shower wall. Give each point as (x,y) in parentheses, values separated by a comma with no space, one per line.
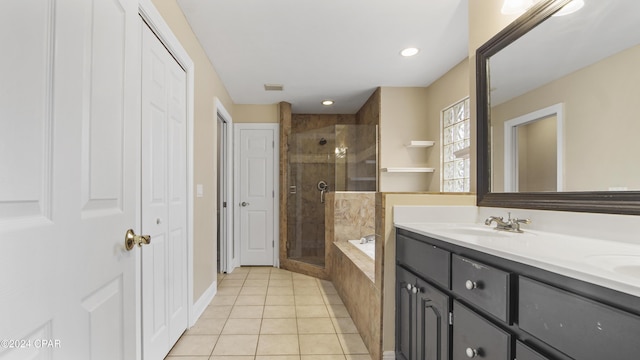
(354,215)
(302,215)
(309,163)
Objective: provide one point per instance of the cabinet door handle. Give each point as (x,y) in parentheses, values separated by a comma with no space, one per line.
(415,290)
(471,353)
(409,287)
(470,285)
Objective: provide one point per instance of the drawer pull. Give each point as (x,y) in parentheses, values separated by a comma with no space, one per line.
(471,353)
(470,285)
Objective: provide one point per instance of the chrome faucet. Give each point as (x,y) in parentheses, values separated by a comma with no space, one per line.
(512,225)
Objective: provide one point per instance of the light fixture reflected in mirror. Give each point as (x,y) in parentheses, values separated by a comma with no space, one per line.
(516,7)
(512,7)
(341,151)
(570,8)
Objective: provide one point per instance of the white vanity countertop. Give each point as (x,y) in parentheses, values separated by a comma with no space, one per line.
(610,264)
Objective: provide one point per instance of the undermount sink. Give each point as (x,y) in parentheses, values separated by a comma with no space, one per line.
(628,265)
(479,232)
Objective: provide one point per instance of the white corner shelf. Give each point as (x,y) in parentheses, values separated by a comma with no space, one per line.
(408,170)
(419,144)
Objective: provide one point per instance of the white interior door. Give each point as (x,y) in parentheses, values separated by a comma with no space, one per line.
(256,194)
(69,171)
(164,198)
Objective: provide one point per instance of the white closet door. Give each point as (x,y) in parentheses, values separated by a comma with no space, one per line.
(164,202)
(69,150)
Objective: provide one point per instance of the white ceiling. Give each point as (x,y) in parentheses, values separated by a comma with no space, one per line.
(329,49)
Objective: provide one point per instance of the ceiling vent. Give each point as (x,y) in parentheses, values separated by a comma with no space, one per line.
(273,87)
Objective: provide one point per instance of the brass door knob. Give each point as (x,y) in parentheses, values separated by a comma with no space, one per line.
(131,239)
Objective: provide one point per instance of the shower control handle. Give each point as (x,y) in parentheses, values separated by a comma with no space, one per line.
(322,187)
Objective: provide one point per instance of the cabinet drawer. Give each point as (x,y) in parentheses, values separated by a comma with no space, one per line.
(475,337)
(427,260)
(579,327)
(523,352)
(483,286)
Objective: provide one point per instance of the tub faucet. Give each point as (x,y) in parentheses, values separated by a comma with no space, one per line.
(512,225)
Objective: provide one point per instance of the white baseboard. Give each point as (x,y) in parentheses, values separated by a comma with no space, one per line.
(389,355)
(201,305)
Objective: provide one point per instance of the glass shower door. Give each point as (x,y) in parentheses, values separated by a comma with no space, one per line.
(311,176)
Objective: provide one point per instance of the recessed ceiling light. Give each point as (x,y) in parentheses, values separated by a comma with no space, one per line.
(409,52)
(327,102)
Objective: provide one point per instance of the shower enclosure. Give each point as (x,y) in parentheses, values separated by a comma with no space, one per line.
(324,158)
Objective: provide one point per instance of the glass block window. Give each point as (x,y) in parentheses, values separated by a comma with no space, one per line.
(456,134)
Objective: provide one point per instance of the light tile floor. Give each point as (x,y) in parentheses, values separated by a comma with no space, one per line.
(263,313)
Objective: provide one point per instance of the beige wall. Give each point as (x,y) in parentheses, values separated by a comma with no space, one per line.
(414,114)
(403,117)
(207,86)
(256,113)
(538,155)
(600,121)
(449,89)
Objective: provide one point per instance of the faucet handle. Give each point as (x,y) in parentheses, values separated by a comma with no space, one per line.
(515,223)
(521,221)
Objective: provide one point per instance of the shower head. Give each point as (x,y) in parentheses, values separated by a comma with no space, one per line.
(323,141)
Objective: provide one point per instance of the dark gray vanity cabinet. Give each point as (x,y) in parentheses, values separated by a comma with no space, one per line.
(579,327)
(405,316)
(423,331)
(523,352)
(475,337)
(482,285)
(423,319)
(456,303)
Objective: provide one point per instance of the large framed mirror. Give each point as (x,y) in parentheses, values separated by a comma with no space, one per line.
(558,100)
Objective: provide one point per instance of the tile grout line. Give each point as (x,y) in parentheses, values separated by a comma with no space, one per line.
(306,300)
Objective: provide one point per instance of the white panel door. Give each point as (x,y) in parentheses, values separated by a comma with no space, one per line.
(164,198)
(69,170)
(257,192)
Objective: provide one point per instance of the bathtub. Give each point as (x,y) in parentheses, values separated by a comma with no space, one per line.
(367,248)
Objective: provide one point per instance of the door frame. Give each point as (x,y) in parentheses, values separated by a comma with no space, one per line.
(226,247)
(511,179)
(276,183)
(158,25)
